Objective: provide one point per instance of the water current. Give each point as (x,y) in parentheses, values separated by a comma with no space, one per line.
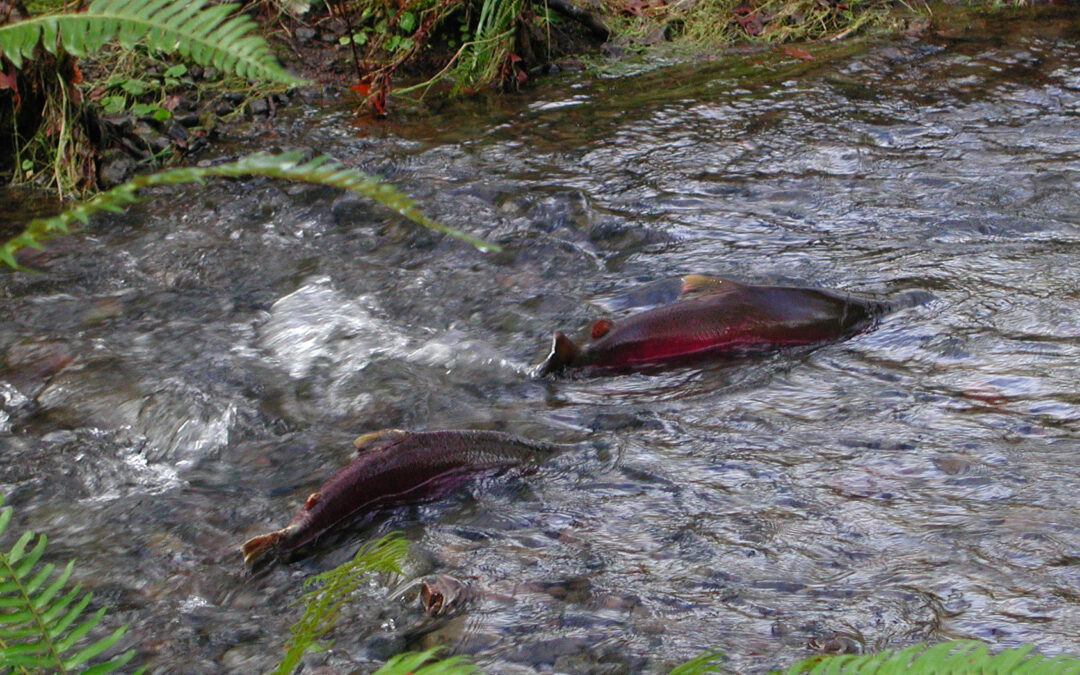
(181,376)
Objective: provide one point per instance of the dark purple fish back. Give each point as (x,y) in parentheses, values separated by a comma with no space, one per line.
(414,465)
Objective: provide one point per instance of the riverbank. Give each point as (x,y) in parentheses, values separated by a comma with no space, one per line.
(146,111)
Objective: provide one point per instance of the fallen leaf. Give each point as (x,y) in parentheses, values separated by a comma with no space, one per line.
(362,88)
(797,53)
(751,23)
(8,81)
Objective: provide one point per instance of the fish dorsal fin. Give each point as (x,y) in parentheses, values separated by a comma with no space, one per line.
(378,439)
(694,285)
(563,353)
(600,328)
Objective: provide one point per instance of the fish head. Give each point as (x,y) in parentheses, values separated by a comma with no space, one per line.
(563,353)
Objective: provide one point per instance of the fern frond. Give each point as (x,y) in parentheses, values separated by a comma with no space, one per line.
(706,662)
(962,657)
(413,663)
(211,35)
(323,605)
(36,626)
(288,165)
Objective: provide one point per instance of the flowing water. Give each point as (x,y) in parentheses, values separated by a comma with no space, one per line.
(180,377)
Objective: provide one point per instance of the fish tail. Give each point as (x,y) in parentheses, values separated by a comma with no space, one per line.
(910,298)
(256,547)
(563,353)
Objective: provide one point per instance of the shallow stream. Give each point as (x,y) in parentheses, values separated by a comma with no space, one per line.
(182,376)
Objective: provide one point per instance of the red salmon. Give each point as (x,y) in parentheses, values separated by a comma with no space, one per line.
(715,317)
(393,465)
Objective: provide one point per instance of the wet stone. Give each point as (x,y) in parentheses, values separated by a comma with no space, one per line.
(305,34)
(548,651)
(836,644)
(582,663)
(239,657)
(158,142)
(259,106)
(116,169)
(309,193)
(351,210)
(177,132)
(188,119)
(616,420)
(382,646)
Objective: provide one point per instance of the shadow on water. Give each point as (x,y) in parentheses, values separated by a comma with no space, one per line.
(182,377)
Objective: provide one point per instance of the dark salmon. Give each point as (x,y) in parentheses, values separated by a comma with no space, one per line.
(715,317)
(393,465)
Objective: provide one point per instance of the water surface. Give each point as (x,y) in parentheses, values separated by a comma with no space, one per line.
(182,376)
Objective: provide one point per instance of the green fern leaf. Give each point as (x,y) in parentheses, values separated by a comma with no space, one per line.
(321,170)
(335,588)
(707,662)
(37,614)
(962,657)
(209,35)
(422,663)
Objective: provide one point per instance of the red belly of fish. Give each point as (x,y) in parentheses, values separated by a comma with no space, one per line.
(349,493)
(661,349)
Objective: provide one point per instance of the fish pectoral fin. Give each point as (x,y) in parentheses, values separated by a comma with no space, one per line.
(379,439)
(600,328)
(563,353)
(694,285)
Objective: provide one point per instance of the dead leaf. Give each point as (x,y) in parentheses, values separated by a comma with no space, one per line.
(751,23)
(797,53)
(519,74)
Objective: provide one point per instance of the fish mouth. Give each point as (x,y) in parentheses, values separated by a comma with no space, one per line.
(563,353)
(256,548)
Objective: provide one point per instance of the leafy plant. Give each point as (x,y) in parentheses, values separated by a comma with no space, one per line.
(420,663)
(485,57)
(706,662)
(962,657)
(207,34)
(42,621)
(290,165)
(335,587)
(56,140)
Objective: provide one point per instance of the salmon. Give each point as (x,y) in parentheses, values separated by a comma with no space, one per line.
(714,317)
(393,466)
